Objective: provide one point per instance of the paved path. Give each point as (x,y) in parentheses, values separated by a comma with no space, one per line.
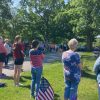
(26,66)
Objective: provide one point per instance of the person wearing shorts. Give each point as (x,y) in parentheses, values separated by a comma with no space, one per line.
(18,55)
(3,53)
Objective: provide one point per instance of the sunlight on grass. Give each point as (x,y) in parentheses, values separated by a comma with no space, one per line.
(54,73)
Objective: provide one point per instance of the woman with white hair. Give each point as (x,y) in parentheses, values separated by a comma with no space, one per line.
(72,70)
(3,53)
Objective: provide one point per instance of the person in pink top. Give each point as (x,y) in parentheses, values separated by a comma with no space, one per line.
(3,53)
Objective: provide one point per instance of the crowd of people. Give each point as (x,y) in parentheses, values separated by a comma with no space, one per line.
(36,61)
(70,58)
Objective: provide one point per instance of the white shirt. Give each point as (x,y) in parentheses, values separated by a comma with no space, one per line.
(8,48)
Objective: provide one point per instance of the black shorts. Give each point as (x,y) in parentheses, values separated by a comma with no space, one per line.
(19,61)
(2,57)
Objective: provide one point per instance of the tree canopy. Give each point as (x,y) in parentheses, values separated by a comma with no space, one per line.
(51,20)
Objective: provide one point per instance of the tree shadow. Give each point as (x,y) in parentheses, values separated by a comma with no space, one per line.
(86,68)
(22,80)
(88,75)
(56,97)
(88,57)
(7,78)
(26,86)
(27,77)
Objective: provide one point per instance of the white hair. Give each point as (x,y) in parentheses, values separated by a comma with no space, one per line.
(72,44)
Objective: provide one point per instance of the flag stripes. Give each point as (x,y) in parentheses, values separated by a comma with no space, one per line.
(45,92)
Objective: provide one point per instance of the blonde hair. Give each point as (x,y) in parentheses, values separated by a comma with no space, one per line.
(17,38)
(72,44)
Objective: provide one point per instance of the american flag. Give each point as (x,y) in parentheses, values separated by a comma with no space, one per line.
(45,92)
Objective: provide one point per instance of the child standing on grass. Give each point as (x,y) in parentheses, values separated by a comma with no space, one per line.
(3,53)
(36,60)
(18,55)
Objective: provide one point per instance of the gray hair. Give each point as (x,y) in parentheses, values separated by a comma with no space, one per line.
(72,44)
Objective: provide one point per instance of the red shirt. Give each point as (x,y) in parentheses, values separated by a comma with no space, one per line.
(36,57)
(2,48)
(18,51)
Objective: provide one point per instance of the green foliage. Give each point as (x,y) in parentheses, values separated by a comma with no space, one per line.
(85,19)
(5,16)
(51,20)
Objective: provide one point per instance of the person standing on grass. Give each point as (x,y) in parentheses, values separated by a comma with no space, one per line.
(3,53)
(96,69)
(8,51)
(18,55)
(72,70)
(36,60)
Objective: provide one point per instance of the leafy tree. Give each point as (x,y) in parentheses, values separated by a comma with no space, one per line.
(5,16)
(85,19)
(41,13)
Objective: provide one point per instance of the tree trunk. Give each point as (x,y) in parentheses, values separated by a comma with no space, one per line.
(89,42)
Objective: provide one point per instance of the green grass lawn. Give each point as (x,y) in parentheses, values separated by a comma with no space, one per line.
(54,73)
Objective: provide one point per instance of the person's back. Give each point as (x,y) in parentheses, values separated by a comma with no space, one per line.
(70,61)
(72,70)
(36,60)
